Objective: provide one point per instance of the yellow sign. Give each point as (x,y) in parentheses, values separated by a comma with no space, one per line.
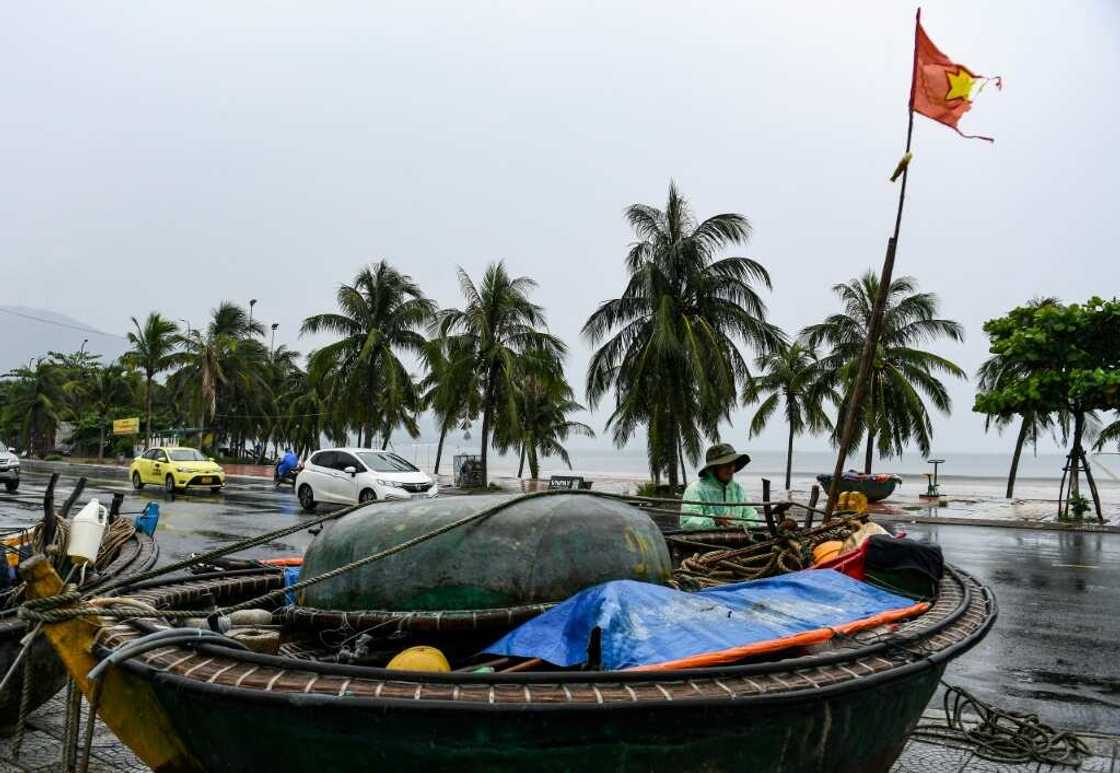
(126,426)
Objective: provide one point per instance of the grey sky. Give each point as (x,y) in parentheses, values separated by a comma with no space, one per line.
(165,156)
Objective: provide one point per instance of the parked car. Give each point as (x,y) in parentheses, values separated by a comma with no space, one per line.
(9,470)
(350,475)
(176,468)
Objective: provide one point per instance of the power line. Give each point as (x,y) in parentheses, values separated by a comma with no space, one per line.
(60,324)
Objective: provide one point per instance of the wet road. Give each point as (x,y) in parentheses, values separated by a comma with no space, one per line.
(1053,650)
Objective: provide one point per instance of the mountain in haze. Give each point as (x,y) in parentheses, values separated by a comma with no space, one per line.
(29,332)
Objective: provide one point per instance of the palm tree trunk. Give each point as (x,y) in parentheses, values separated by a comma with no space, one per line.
(521,466)
(1015,457)
(534,464)
(385,439)
(672,444)
(789,456)
(439,448)
(101,440)
(148,410)
(868,457)
(1092,487)
(485,442)
(680,456)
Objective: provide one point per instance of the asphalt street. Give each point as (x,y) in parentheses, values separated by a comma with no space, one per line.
(1053,650)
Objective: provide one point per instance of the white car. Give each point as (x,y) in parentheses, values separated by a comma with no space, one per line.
(9,469)
(350,475)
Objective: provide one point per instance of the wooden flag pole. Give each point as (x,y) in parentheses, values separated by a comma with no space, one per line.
(863,376)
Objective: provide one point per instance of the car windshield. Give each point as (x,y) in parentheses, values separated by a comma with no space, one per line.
(186,455)
(383,462)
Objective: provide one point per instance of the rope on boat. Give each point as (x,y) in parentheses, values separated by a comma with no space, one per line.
(999,735)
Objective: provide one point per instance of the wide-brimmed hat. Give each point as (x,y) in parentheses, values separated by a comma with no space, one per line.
(723,453)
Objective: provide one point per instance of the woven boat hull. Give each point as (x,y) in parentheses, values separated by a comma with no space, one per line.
(872,489)
(48,675)
(856,730)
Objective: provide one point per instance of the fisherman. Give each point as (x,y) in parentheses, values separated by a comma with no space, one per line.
(716,484)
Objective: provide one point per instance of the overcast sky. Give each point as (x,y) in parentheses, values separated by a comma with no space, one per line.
(169,155)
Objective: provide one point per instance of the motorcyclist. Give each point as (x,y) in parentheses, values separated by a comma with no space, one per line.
(286,464)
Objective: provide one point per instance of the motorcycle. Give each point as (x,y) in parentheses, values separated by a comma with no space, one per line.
(288,479)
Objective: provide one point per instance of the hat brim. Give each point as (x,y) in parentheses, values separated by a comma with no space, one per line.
(740,460)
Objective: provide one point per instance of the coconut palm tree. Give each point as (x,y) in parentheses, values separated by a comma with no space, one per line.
(451,390)
(903,377)
(790,376)
(996,373)
(153,351)
(379,318)
(544,403)
(670,344)
(104,391)
(35,401)
(492,336)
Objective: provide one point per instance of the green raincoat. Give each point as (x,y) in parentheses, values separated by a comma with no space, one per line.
(710,491)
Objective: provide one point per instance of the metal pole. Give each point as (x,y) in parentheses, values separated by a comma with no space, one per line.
(855,403)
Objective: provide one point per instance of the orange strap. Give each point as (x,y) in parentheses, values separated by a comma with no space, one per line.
(289,561)
(816,636)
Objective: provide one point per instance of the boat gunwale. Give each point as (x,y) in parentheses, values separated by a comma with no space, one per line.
(594,679)
(143,557)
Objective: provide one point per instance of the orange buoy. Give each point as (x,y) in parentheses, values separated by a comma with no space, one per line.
(826,551)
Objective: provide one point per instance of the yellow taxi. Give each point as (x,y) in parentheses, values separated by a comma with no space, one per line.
(176,468)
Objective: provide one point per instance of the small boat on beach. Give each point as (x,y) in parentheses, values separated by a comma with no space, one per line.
(875,486)
(125,552)
(307,682)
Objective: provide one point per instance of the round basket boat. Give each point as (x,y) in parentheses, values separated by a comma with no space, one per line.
(849,707)
(48,675)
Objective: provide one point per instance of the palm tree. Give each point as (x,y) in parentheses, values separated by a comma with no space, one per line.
(997,372)
(544,403)
(153,351)
(35,403)
(105,391)
(492,335)
(790,375)
(672,356)
(450,390)
(902,377)
(379,317)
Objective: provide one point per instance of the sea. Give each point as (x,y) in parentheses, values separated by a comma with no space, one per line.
(971,484)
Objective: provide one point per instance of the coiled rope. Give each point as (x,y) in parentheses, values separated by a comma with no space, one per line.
(999,735)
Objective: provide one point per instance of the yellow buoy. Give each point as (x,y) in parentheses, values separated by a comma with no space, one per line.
(826,550)
(419,659)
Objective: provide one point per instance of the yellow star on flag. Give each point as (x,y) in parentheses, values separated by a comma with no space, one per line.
(960,84)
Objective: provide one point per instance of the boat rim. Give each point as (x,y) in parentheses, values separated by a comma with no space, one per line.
(974,596)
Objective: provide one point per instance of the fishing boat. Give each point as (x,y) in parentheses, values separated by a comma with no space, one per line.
(126,552)
(875,487)
(309,683)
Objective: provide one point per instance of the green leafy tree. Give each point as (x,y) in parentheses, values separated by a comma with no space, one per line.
(152,352)
(380,316)
(1069,358)
(790,377)
(450,389)
(670,344)
(544,405)
(998,372)
(492,335)
(903,377)
(105,393)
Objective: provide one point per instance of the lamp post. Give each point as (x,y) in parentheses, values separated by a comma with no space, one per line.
(252,303)
(272,346)
(82,350)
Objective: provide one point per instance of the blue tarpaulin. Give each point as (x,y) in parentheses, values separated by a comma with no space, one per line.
(643,624)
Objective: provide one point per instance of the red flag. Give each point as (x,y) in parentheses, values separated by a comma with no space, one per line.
(942,89)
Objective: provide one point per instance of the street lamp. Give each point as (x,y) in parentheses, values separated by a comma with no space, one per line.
(252,303)
(82,350)
(272,346)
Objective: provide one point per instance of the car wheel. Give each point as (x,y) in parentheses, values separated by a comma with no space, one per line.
(307,498)
(169,484)
(136,482)
(12,486)
(367,495)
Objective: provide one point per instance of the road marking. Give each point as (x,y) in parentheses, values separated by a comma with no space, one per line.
(1077,566)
